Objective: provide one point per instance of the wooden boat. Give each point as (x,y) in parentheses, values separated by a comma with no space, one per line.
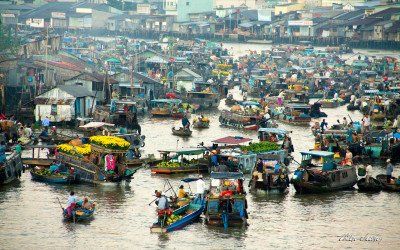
(167,107)
(93,172)
(79,213)
(181,132)
(247,119)
(226,203)
(273,180)
(311,178)
(331,103)
(37,162)
(141,161)
(372,185)
(11,168)
(392,186)
(189,213)
(201,123)
(45,176)
(176,166)
(230,102)
(295,114)
(204,95)
(56,138)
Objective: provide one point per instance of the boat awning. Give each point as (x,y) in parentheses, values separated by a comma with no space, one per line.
(185,151)
(226,175)
(232,140)
(187,180)
(396,135)
(249,103)
(167,101)
(375,134)
(273,130)
(96,125)
(318,153)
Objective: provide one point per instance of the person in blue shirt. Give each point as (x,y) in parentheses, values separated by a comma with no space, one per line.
(44,133)
(46,123)
(185,123)
(54,167)
(129,155)
(122,130)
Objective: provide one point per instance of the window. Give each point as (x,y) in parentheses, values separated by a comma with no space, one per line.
(53,109)
(79,84)
(187,3)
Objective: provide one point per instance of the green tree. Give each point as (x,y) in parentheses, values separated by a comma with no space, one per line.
(8,41)
(122,5)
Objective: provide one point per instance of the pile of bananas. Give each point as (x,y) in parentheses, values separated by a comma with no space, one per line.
(45,172)
(194,161)
(171,164)
(173,218)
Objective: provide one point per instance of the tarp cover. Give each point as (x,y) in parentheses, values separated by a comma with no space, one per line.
(96,125)
(232,140)
(226,175)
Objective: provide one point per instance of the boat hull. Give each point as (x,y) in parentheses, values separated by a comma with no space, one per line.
(181,132)
(388,186)
(171,170)
(12,169)
(336,180)
(185,220)
(198,124)
(51,178)
(373,185)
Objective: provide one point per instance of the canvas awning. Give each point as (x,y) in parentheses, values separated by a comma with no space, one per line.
(232,140)
(96,125)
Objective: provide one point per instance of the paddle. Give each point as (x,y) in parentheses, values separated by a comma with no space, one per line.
(60,205)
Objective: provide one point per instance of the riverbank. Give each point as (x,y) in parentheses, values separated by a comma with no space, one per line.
(219,37)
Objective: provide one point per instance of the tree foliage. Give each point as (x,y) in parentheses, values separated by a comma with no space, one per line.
(119,3)
(8,41)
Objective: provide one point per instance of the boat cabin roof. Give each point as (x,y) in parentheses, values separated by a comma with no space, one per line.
(318,153)
(232,140)
(170,101)
(273,130)
(184,151)
(249,103)
(96,125)
(227,175)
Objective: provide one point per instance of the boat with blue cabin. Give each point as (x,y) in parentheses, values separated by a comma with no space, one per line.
(226,202)
(11,167)
(319,173)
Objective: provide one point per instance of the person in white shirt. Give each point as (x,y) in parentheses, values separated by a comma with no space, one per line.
(72,199)
(267,116)
(368,170)
(200,188)
(335,96)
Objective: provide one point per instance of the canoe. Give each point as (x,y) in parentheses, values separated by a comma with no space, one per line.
(181,132)
(189,213)
(373,185)
(388,186)
(53,178)
(79,213)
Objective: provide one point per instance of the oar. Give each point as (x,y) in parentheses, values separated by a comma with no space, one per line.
(60,205)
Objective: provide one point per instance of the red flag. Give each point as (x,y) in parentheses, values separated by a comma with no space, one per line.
(18,29)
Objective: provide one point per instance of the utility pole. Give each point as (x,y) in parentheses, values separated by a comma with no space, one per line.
(47,44)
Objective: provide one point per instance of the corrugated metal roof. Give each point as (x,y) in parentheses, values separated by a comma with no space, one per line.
(76,91)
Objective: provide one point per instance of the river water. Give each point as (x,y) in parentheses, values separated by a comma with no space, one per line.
(30,215)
